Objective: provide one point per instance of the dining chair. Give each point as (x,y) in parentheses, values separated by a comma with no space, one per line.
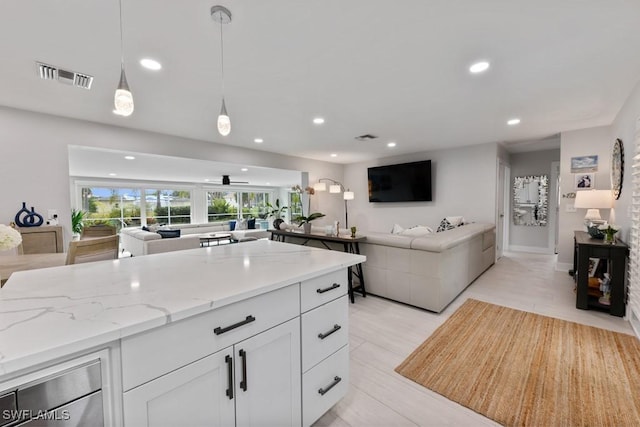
(98,249)
(98,230)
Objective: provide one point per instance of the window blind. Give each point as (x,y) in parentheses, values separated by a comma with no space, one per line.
(633,302)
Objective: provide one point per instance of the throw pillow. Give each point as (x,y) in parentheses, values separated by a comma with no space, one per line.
(241,224)
(232,225)
(251,224)
(397,229)
(418,230)
(169,234)
(145,228)
(456,221)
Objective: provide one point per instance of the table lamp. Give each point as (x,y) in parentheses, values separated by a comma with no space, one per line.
(593,201)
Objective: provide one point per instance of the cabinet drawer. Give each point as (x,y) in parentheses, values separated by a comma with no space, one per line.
(324,330)
(150,354)
(320,290)
(318,394)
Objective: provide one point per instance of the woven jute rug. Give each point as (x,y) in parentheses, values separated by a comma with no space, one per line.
(524,369)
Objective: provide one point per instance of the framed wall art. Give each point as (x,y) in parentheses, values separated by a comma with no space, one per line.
(585,181)
(584,164)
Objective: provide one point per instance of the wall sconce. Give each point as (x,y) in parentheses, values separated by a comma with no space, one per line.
(336,187)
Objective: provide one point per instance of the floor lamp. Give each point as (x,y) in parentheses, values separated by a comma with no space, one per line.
(336,187)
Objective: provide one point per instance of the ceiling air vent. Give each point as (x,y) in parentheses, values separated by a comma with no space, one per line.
(50,72)
(366,137)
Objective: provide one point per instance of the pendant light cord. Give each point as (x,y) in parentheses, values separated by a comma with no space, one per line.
(121,42)
(222,56)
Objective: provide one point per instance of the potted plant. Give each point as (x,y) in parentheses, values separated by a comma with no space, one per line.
(305,221)
(277,212)
(77,223)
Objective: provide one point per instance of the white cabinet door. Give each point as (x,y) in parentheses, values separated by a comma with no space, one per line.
(268,377)
(194,395)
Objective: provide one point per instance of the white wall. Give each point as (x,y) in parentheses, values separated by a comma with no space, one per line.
(464,183)
(527,164)
(584,142)
(34,165)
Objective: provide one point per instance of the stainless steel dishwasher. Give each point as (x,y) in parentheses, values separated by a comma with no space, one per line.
(69,398)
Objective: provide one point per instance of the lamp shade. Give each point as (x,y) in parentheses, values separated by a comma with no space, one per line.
(335,188)
(320,186)
(348,195)
(594,199)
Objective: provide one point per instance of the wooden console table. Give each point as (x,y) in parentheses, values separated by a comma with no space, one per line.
(350,245)
(615,256)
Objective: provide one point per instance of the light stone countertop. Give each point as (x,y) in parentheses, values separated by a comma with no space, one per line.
(54,312)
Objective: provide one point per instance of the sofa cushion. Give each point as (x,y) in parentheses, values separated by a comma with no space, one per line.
(417,231)
(241,224)
(169,234)
(387,239)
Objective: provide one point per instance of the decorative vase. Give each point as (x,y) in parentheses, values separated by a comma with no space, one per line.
(610,238)
(306,227)
(277,222)
(28,218)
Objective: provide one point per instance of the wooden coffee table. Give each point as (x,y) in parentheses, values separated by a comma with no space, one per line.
(215,237)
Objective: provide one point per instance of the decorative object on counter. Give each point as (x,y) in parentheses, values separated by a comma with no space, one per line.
(593,201)
(609,233)
(305,221)
(336,187)
(617,168)
(605,288)
(594,231)
(9,238)
(277,212)
(28,218)
(77,223)
(353,232)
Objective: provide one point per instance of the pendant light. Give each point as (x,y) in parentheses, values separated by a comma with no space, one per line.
(123,100)
(222,15)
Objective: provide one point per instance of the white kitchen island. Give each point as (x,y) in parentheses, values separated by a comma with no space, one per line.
(249,334)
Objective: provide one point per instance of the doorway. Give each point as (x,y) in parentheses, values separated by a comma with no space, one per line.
(502,203)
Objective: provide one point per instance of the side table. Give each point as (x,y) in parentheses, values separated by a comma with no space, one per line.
(615,256)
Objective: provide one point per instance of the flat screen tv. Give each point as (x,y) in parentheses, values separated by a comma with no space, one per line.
(406,182)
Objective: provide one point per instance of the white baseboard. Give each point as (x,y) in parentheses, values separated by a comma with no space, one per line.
(531,249)
(564,266)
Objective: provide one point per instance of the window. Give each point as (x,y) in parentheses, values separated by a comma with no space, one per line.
(168,206)
(222,205)
(111,205)
(295,205)
(253,204)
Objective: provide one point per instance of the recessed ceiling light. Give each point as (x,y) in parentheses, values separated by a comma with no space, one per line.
(129,157)
(318,120)
(258,140)
(267,183)
(479,67)
(244,169)
(334,155)
(112,174)
(150,64)
(206,180)
(513,122)
(391,144)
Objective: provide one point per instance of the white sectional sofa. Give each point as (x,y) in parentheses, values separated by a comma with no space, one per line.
(429,271)
(141,242)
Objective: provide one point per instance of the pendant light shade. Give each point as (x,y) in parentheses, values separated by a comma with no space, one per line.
(123,99)
(224,123)
(222,15)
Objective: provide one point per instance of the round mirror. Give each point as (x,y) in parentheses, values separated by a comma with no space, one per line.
(617,168)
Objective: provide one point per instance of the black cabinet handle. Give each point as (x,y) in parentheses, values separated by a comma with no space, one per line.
(229,361)
(243,383)
(336,380)
(219,330)
(336,328)
(330,288)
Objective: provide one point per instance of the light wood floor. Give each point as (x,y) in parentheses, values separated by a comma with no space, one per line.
(384,333)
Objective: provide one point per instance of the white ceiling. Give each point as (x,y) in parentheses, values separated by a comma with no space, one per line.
(111,164)
(394,69)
